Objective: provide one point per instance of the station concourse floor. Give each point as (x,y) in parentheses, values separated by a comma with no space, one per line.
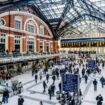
(33,92)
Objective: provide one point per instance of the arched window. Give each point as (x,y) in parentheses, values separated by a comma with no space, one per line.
(18,23)
(41,30)
(31,26)
(2,22)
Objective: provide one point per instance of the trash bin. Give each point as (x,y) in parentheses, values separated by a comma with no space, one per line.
(58,95)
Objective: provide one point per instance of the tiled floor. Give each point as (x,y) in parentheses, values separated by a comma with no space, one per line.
(33,92)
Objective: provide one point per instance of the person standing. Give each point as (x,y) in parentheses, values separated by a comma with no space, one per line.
(44,86)
(5,96)
(95,84)
(99,99)
(20,100)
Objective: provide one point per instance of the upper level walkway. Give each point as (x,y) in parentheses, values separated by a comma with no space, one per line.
(30,57)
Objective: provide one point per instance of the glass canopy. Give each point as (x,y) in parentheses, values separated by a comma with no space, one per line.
(62,16)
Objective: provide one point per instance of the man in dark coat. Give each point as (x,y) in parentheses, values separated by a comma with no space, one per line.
(99,99)
(57,74)
(86,78)
(83,72)
(36,77)
(47,77)
(5,96)
(53,78)
(102,80)
(95,85)
(50,92)
(53,89)
(73,102)
(44,86)
(20,100)
(45,70)
(33,72)
(60,87)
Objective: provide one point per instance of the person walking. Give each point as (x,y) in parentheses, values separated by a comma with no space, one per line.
(33,72)
(5,96)
(45,70)
(102,80)
(60,87)
(20,87)
(41,103)
(73,101)
(53,78)
(53,89)
(36,77)
(83,72)
(44,86)
(86,78)
(57,74)
(95,84)
(47,77)
(20,100)
(50,92)
(103,64)
(99,99)
(40,74)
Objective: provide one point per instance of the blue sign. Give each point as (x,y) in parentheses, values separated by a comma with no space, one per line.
(70,83)
(62,62)
(91,64)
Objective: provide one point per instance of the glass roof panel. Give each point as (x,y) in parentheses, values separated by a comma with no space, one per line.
(99,3)
(53,7)
(63,11)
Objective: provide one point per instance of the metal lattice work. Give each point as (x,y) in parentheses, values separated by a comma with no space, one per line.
(65,16)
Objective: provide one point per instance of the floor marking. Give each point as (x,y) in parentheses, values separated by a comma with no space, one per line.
(35,99)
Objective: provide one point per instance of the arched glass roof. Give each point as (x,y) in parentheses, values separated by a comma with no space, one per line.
(75,16)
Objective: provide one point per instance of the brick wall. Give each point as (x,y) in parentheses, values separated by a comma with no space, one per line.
(10,24)
(24,44)
(10,43)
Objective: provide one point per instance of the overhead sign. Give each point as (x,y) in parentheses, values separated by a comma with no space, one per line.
(70,83)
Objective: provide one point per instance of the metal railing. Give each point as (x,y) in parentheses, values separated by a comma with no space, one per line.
(24,57)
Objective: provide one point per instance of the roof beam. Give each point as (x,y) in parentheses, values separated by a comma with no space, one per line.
(68,5)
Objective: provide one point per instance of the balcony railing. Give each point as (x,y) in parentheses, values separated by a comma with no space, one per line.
(8,58)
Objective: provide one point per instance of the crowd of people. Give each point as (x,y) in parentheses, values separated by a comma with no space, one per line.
(5,75)
(70,66)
